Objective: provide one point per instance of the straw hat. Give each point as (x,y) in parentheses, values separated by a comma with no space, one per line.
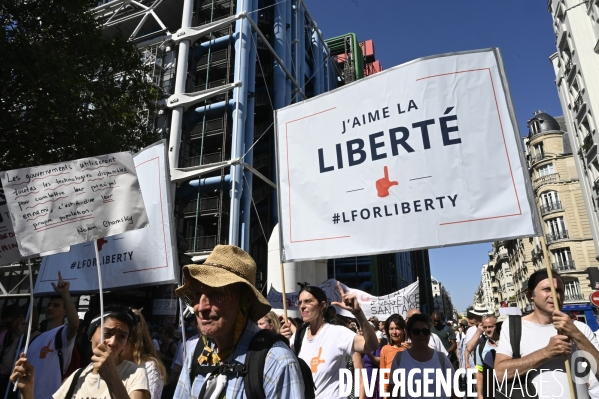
(226,265)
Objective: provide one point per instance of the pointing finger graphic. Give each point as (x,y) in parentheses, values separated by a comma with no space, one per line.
(383,185)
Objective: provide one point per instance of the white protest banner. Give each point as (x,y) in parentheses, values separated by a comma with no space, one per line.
(165,307)
(133,259)
(53,206)
(423,155)
(381,307)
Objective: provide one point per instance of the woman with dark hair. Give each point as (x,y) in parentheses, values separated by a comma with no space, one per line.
(119,378)
(420,356)
(395,328)
(141,351)
(326,347)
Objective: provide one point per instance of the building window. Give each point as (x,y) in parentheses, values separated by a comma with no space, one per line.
(549,199)
(563,258)
(538,152)
(534,126)
(556,226)
(572,291)
(545,170)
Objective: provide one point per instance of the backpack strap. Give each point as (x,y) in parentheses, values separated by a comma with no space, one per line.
(194,370)
(515,335)
(299,338)
(255,360)
(58,348)
(76,376)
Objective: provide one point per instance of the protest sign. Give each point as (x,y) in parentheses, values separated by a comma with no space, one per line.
(9,249)
(53,206)
(133,259)
(381,307)
(423,155)
(165,307)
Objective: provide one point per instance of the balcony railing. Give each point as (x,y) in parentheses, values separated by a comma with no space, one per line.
(564,266)
(588,142)
(545,179)
(205,243)
(552,207)
(561,235)
(574,297)
(569,66)
(578,103)
(207,205)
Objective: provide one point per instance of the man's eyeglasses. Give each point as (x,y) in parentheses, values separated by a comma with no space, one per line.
(424,331)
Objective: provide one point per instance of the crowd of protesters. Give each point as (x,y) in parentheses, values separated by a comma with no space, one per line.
(237,347)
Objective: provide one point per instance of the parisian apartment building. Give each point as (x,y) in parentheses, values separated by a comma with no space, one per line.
(576,66)
(567,240)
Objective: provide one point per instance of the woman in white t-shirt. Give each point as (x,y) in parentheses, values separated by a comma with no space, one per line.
(119,378)
(421,357)
(325,347)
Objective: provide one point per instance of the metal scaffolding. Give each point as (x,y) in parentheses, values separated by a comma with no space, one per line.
(222,67)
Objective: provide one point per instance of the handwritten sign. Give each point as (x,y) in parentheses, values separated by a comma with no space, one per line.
(145,257)
(9,250)
(67,203)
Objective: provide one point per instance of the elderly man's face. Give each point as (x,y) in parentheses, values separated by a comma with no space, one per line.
(216,309)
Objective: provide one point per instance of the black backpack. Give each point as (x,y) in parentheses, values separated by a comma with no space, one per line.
(516,387)
(253,368)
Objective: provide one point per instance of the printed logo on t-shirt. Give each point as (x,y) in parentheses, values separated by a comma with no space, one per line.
(45,350)
(316,361)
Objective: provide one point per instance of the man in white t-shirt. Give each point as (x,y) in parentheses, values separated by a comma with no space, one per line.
(542,348)
(43,353)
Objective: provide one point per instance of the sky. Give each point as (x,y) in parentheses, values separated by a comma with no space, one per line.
(403,30)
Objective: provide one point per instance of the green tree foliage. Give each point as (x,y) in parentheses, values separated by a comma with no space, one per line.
(66,91)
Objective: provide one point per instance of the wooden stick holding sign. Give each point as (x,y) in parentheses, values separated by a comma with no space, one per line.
(556,305)
(284,297)
(101,297)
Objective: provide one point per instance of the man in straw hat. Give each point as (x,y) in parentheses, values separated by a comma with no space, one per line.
(227,306)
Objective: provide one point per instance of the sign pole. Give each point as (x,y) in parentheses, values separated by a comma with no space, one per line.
(284,296)
(556,305)
(101,295)
(182,321)
(30,319)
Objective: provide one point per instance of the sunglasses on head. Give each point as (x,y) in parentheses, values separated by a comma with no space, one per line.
(424,331)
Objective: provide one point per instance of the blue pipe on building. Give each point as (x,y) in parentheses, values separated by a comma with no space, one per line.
(211,110)
(216,44)
(189,190)
(289,46)
(246,198)
(239,115)
(279,77)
